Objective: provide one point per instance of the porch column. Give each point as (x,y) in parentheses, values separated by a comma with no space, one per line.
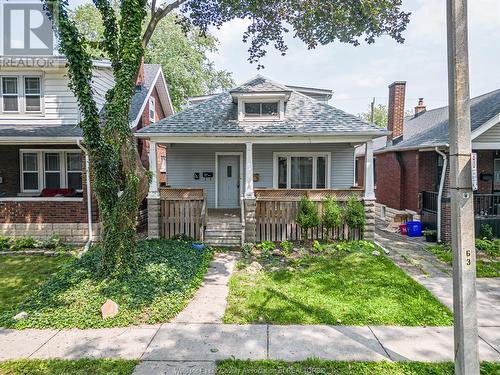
(153,195)
(249,203)
(249,193)
(369,196)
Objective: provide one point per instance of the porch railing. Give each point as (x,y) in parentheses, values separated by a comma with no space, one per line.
(429,201)
(183,212)
(277,209)
(487,204)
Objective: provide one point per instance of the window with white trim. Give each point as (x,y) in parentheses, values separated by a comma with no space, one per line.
(163,164)
(152,109)
(50,169)
(21,94)
(302,171)
(259,110)
(10,94)
(32,94)
(30,169)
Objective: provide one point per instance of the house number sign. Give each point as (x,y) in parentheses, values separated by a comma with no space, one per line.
(468,258)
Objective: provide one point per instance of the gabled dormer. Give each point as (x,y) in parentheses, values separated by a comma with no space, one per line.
(261,99)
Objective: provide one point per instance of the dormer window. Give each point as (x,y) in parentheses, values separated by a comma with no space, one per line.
(270,109)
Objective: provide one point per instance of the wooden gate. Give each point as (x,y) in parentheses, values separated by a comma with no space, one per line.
(183,212)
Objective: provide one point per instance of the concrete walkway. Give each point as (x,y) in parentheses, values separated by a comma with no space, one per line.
(209,303)
(199,342)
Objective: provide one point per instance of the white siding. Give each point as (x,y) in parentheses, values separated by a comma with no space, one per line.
(183,160)
(58,102)
(491,135)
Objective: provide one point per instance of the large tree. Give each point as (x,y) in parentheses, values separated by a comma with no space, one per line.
(182,53)
(120,180)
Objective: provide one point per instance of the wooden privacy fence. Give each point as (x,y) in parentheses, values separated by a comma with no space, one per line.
(277,210)
(183,212)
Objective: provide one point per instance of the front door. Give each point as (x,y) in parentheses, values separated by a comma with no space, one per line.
(228,188)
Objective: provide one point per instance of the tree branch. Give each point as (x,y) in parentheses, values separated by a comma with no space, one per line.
(111,44)
(156,16)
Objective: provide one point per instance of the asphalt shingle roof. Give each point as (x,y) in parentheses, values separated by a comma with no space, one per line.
(73,131)
(218,116)
(260,84)
(430,128)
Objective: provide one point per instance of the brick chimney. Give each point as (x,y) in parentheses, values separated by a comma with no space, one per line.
(420,108)
(396,109)
(140,75)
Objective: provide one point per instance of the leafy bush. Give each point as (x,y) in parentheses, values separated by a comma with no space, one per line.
(490,248)
(287,247)
(317,247)
(355,213)
(333,214)
(247,248)
(486,232)
(5,243)
(308,216)
(22,243)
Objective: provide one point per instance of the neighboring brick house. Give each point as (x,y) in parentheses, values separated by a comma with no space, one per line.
(43,179)
(409,163)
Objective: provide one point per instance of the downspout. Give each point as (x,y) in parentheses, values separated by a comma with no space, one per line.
(440,193)
(89,197)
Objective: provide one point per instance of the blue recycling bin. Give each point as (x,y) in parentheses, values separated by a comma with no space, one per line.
(414,228)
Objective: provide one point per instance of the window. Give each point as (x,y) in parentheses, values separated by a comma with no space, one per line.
(163,164)
(496,174)
(152,109)
(439,170)
(302,171)
(74,170)
(30,171)
(270,109)
(32,93)
(51,169)
(21,94)
(10,94)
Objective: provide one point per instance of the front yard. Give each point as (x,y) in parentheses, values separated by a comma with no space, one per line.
(167,275)
(342,283)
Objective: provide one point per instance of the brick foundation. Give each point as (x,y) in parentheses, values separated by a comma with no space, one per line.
(69,232)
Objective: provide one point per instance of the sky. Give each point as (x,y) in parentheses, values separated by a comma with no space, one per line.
(357,74)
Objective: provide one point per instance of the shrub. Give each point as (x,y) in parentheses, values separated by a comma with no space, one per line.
(333,215)
(5,243)
(491,248)
(308,216)
(287,247)
(317,247)
(355,213)
(486,232)
(22,243)
(266,246)
(247,248)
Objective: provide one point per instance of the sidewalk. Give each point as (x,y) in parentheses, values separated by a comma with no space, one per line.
(210,342)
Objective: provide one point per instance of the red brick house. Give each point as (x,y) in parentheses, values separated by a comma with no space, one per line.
(43,164)
(411,164)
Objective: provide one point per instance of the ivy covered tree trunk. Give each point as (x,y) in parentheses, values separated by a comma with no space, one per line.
(120,181)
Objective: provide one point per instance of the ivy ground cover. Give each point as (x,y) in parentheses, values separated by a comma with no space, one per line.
(165,278)
(339,284)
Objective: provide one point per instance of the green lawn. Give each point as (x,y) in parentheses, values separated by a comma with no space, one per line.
(337,287)
(487,265)
(313,366)
(167,275)
(66,367)
(20,275)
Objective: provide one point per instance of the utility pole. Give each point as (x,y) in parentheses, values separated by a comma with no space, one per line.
(372,110)
(462,204)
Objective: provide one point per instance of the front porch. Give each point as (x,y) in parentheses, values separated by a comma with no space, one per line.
(228,194)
